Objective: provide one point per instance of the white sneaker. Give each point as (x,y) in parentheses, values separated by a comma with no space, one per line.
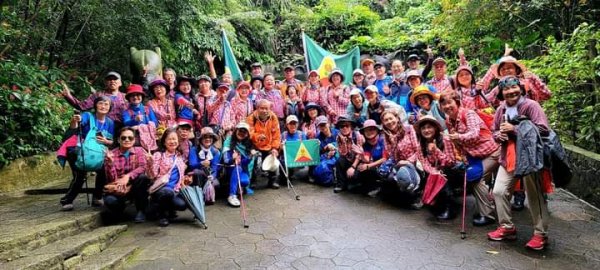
(233,201)
(67,207)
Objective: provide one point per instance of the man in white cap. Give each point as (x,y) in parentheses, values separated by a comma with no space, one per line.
(440,80)
(112,82)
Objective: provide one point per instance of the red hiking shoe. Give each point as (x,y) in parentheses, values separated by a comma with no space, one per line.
(537,242)
(503,233)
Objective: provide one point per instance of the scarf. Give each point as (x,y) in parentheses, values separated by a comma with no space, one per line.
(205,153)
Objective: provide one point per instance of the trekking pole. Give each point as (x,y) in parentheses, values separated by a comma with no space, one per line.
(289,183)
(243,208)
(463,232)
(87,194)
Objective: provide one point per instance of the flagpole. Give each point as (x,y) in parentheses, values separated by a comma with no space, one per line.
(305,53)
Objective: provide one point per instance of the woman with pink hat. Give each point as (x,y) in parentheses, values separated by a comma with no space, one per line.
(338,96)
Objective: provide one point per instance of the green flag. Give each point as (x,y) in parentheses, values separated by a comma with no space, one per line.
(231,65)
(324,62)
(301,153)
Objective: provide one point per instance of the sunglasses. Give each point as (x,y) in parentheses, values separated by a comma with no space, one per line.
(345,126)
(127,138)
(508,82)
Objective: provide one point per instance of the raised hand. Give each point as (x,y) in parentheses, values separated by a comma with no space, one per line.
(66,92)
(507,49)
(210,58)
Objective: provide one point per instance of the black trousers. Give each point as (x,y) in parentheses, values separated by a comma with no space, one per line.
(79,178)
(138,193)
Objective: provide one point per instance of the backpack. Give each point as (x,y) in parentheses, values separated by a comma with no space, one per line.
(90,152)
(324,172)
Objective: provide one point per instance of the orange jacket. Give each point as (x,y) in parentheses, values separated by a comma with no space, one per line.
(270,130)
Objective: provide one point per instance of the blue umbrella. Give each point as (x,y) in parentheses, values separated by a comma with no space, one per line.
(194,197)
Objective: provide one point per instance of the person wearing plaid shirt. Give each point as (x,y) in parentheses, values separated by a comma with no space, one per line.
(273,95)
(241,105)
(472,137)
(349,144)
(125,166)
(338,96)
(313,92)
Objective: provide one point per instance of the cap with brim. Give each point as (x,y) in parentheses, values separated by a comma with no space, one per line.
(413,57)
(421,90)
(291,118)
(322,119)
(358,71)
(223,86)
(336,71)
(414,73)
(505,60)
(113,74)
(372,88)
(208,131)
(378,64)
(134,89)
(439,60)
(191,80)
(312,105)
(184,124)
(343,120)
(256,64)
(243,125)
(159,82)
(257,78)
(370,123)
(366,61)
(288,67)
(313,72)
(355,92)
(426,119)
(204,77)
(242,84)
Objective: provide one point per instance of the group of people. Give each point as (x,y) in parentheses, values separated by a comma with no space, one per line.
(382,135)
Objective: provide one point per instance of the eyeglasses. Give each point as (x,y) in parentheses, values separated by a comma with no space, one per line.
(127,138)
(345,126)
(508,82)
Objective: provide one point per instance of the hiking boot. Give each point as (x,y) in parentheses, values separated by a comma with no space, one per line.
(374,193)
(338,189)
(503,233)
(140,217)
(233,201)
(97,202)
(537,242)
(163,222)
(67,207)
(274,185)
(172,215)
(446,215)
(417,205)
(483,221)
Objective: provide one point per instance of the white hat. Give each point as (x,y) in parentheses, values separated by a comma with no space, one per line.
(355,91)
(270,164)
(291,118)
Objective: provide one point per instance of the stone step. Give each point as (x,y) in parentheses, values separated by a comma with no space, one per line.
(111,258)
(16,243)
(67,252)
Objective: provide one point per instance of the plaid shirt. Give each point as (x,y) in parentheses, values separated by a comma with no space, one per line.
(443,159)
(536,89)
(223,116)
(469,140)
(407,146)
(310,129)
(313,93)
(162,162)
(206,104)
(440,84)
(336,106)
(240,109)
(274,96)
(134,165)
(344,144)
(119,104)
(164,112)
(470,102)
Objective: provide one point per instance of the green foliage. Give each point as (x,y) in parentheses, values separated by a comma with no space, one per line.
(572,68)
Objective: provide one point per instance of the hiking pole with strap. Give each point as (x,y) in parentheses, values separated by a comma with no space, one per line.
(243,204)
(463,232)
(285,173)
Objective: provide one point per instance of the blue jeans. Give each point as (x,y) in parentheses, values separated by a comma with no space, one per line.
(233,180)
(165,200)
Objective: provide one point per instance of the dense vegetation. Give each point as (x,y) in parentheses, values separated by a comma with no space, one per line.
(42,41)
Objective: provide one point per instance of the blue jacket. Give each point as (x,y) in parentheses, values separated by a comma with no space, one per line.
(214,163)
(399,93)
(133,110)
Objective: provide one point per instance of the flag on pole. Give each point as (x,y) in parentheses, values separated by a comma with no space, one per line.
(324,61)
(301,153)
(231,65)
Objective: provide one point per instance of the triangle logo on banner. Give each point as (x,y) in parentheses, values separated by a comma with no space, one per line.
(303,155)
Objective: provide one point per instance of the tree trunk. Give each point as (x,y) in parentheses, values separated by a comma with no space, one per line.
(593,84)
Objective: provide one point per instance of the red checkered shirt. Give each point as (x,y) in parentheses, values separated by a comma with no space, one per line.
(165,112)
(345,144)
(119,104)
(313,93)
(204,100)
(223,117)
(274,96)
(162,162)
(240,109)
(467,101)
(310,129)
(469,139)
(407,146)
(439,159)
(336,106)
(134,165)
(441,84)
(536,89)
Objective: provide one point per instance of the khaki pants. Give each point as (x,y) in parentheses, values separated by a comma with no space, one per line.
(538,207)
(481,189)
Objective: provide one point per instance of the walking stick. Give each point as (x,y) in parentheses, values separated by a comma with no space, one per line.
(289,183)
(243,208)
(463,233)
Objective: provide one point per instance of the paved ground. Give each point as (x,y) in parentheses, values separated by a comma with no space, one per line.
(347,231)
(332,231)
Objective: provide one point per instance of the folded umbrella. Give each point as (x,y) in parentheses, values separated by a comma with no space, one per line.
(194,198)
(435,183)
